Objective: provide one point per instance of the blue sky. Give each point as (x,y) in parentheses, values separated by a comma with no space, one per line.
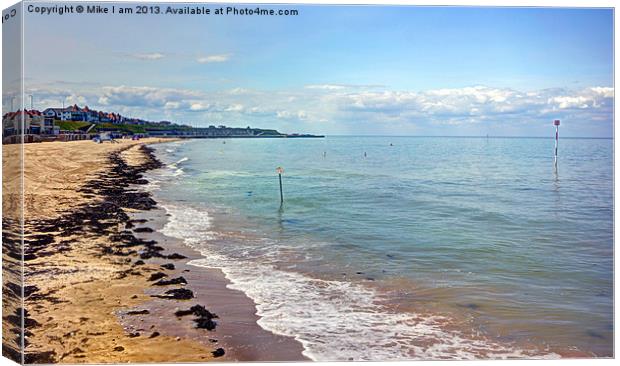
(337,70)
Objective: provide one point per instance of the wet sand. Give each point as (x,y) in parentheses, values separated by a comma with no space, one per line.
(90,260)
(236,331)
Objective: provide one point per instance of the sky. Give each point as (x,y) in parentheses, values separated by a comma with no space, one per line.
(353,70)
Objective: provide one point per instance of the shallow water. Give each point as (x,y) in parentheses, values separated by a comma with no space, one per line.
(406,247)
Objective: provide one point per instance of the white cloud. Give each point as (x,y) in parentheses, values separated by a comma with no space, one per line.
(213,58)
(199,106)
(354,108)
(145,96)
(595,97)
(326,86)
(234,108)
(283,114)
(604,92)
(148,56)
(342,86)
(239,91)
(570,102)
(172,105)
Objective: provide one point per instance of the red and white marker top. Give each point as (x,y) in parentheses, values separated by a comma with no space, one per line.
(556,122)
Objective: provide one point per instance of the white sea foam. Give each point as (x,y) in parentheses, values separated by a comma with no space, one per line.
(175,169)
(185,158)
(152,185)
(192,225)
(159,176)
(334,320)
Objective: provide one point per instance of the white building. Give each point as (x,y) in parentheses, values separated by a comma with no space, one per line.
(57,113)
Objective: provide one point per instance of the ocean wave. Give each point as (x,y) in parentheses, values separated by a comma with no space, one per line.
(334,320)
(187,223)
(169,172)
(173,168)
(176,163)
(152,185)
(183,159)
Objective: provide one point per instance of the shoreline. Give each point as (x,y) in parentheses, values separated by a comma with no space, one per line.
(92,263)
(237,329)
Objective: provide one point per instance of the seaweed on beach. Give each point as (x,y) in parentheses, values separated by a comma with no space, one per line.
(174,281)
(177,294)
(157,275)
(204,318)
(105,217)
(101,218)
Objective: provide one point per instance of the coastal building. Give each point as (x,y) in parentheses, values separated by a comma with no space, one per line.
(135,121)
(33,122)
(90,115)
(27,122)
(103,117)
(86,114)
(115,118)
(57,114)
(76,113)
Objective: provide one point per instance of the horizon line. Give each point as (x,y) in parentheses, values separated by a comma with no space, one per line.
(479,136)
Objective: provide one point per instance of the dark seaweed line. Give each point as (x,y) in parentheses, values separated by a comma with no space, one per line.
(90,220)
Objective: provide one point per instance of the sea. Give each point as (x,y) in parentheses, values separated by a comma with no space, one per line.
(405,248)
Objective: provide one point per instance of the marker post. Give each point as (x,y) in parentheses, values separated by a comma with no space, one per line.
(280,170)
(556,123)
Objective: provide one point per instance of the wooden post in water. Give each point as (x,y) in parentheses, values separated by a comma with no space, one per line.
(280,170)
(556,123)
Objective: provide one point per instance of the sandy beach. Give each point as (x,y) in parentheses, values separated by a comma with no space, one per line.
(101,284)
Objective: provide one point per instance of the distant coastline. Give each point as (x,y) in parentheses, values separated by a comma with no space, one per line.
(83,123)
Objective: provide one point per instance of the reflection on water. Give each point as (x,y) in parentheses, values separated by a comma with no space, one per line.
(280,214)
